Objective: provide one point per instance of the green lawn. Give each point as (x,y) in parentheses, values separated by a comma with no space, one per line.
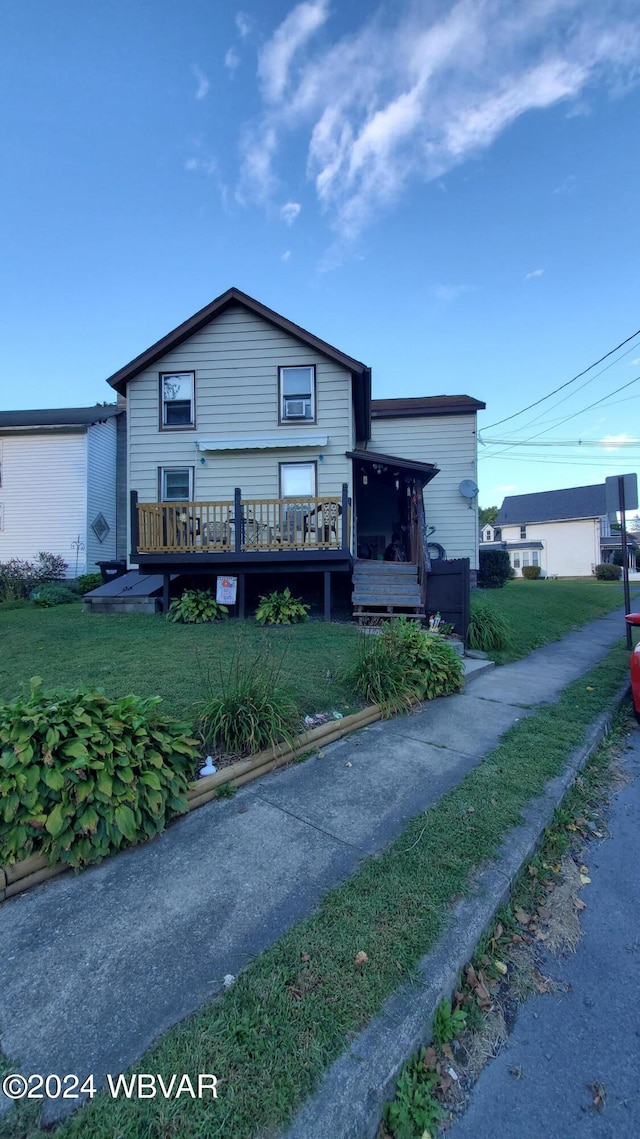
(542,611)
(125,653)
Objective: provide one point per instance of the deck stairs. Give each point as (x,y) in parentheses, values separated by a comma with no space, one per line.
(386,589)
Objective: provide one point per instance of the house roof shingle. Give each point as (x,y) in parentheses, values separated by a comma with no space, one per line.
(553,505)
(424,406)
(58,416)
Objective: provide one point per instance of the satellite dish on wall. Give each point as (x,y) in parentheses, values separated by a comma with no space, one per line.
(468,489)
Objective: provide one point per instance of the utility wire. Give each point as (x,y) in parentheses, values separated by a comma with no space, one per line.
(523,442)
(566,384)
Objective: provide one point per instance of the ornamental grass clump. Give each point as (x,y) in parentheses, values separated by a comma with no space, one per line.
(250,708)
(488,631)
(82,775)
(402,665)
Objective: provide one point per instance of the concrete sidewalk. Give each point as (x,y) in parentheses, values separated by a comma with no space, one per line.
(94,967)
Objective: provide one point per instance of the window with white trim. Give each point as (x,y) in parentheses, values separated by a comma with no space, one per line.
(297,394)
(535,558)
(297,480)
(523,532)
(516,561)
(177,396)
(176,484)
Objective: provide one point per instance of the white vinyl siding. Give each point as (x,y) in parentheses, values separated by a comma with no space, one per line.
(44,497)
(101,489)
(450,442)
(236,360)
(571,548)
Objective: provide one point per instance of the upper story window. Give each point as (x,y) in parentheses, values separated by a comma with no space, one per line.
(177,398)
(297,394)
(523,531)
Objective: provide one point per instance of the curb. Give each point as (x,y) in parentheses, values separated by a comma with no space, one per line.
(349,1102)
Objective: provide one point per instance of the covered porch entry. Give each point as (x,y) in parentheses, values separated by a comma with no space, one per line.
(390,534)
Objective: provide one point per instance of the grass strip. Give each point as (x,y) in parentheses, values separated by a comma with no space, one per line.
(297,1007)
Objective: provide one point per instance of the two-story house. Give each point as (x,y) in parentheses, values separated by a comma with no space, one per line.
(565,532)
(254,448)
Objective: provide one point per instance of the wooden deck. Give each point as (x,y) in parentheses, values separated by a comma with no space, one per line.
(242,526)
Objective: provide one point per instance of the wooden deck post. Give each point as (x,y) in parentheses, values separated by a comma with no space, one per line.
(135,529)
(345,516)
(241,607)
(166,581)
(237,514)
(327,594)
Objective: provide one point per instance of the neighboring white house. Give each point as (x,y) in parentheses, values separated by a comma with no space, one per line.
(565,532)
(58,485)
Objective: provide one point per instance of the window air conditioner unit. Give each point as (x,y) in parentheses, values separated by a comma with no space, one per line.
(295,408)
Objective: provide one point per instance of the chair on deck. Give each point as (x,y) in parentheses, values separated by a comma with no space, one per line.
(323,523)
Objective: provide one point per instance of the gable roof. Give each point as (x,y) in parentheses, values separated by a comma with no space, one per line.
(553,505)
(425,406)
(360,372)
(59,416)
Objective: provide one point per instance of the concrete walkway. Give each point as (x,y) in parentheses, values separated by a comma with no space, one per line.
(94,967)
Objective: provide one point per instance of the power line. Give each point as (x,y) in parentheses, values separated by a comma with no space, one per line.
(524,442)
(564,443)
(565,385)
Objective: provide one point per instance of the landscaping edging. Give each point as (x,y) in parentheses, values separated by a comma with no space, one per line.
(350,1099)
(21,876)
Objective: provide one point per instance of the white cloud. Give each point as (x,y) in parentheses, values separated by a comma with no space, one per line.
(202,89)
(201,165)
(636,361)
(290,211)
(533,273)
(614,442)
(411,94)
(450,292)
(244,24)
(286,255)
(232,59)
(567,186)
(278,53)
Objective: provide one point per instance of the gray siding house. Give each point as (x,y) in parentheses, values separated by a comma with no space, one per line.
(254,447)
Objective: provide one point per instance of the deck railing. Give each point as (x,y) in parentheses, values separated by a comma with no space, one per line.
(241,525)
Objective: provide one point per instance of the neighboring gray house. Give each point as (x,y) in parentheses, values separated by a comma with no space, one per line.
(254,448)
(58,485)
(565,532)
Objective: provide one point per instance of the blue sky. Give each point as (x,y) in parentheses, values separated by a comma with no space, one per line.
(446,191)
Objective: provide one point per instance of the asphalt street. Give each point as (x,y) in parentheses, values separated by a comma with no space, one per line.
(565,1048)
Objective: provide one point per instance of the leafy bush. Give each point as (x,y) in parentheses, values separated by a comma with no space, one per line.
(403,664)
(414,1111)
(281,609)
(447,1024)
(52,594)
(488,630)
(608,572)
(195,607)
(494,569)
(531,573)
(18,578)
(82,775)
(250,709)
(88,581)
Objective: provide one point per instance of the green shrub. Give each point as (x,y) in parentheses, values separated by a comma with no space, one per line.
(281,609)
(531,573)
(414,1112)
(608,572)
(82,775)
(251,707)
(494,569)
(447,1025)
(195,607)
(403,664)
(44,596)
(488,630)
(18,578)
(88,581)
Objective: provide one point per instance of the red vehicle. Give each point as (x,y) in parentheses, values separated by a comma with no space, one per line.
(634,664)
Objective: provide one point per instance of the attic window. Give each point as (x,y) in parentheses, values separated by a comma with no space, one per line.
(177,399)
(523,531)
